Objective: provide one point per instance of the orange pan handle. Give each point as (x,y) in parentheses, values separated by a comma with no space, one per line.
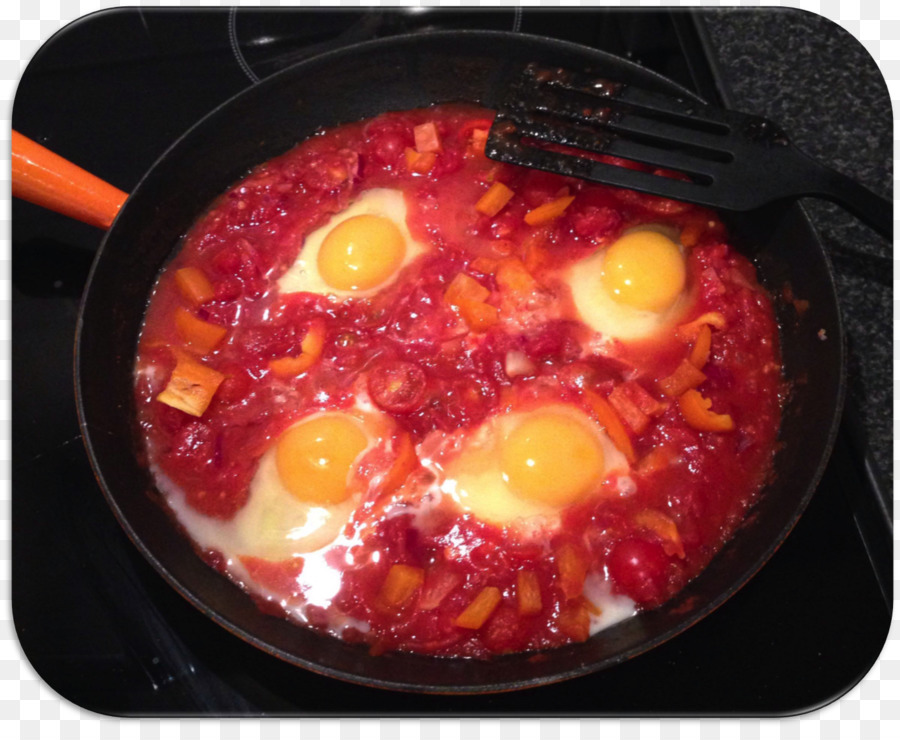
(46,179)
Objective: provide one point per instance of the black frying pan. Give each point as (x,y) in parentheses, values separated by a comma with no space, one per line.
(354,83)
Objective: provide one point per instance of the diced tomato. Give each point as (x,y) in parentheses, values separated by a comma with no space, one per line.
(503,632)
(634,418)
(641,398)
(427,138)
(280,577)
(439,584)
(596,222)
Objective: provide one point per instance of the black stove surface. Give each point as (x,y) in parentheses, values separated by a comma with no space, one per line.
(111,92)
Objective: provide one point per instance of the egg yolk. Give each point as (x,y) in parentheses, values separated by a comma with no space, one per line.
(644,270)
(316,457)
(551,458)
(361,253)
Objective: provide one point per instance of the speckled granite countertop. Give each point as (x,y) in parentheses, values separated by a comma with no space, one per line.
(817,80)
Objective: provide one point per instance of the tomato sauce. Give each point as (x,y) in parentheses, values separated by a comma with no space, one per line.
(438,357)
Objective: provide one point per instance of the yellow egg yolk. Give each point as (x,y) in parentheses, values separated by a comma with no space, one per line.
(315,458)
(551,458)
(361,253)
(644,270)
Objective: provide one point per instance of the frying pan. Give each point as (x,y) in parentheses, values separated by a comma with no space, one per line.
(359,82)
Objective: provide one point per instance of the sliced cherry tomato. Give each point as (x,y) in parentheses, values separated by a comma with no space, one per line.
(397,386)
(638,568)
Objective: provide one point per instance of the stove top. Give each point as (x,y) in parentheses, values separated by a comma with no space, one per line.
(103,629)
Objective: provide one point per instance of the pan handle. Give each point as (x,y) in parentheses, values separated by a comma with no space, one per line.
(46,179)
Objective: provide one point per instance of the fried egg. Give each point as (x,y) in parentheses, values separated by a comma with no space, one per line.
(307,485)
(633,288)
(358,252)
(521,469)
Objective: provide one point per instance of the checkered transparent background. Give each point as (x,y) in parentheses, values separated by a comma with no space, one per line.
(29,709)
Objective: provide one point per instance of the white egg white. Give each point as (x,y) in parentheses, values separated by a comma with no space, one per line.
(611,319)
(611,608)
(303,275)
(472,478)
(274,524)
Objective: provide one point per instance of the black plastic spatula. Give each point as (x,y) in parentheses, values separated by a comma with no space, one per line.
(723,159)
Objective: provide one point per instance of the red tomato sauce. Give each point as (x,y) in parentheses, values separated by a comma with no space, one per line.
(436,367)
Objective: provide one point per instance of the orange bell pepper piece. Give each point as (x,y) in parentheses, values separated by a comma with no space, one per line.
(291,367)
(691,233)
(481,607)
(657,459)
(494,199)
(573,568)
(310,351)
(609,419)
(575,621)
(419,162)
(685,377)
(534,253)
(484,265)
(696,412)
(191,387)
(200,335)
(664,527)
(478,315)
(465,288)
(700,351)
(404,464)
(528,592)
(688,332)
(314,341)
(194,285)
(548,211)
(513,277)
(400,585)
(468,296)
